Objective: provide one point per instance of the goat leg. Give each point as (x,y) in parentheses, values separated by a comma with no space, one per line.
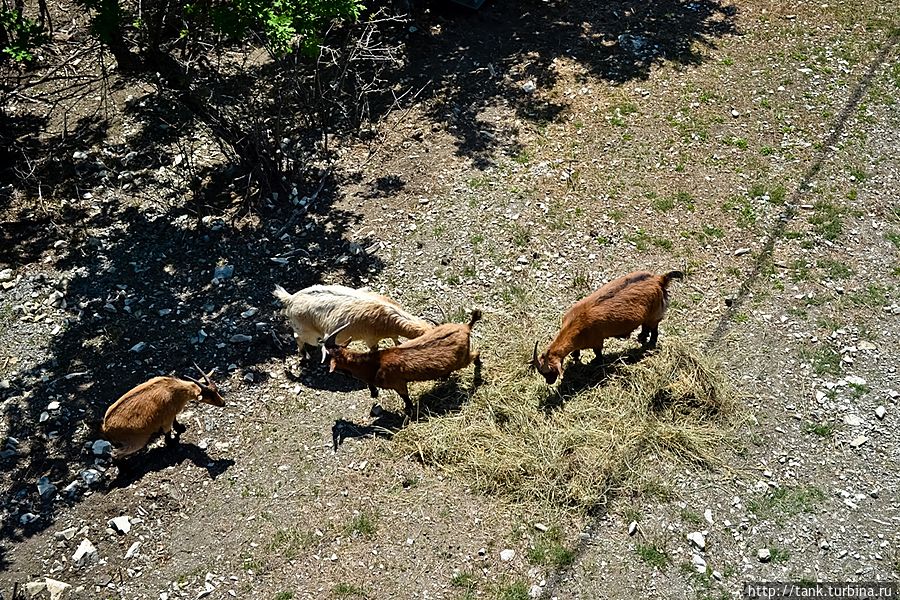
(598,352)
(178,427)
(373,391)
(653,335)
(642,336)
(576,356)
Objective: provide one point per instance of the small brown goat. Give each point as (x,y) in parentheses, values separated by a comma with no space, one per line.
(615,310)
(151,408)
(433,355)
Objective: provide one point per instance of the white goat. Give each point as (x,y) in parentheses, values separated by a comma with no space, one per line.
(315,311)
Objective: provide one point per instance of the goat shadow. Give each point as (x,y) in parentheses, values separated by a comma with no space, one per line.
(446,397)
(581,375)
(134,468)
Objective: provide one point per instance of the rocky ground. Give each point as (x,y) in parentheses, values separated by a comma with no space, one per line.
(754,147)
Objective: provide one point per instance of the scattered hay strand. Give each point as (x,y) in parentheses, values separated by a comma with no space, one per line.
(573,446)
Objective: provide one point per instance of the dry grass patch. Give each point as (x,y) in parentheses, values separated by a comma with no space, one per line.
(599,433)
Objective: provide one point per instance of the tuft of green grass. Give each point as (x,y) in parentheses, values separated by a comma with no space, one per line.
(786,502)
(284,595)
(834,269)
(515,590)
(873,296)
(550,550)
(825,430)
(663,203)
(827,219)
(779,555)
(521,235)
(291,541)
(894,238)
(767,150)
(653,554)
(519,439)
(824,361)
(689,516)
(363,524)
(348,590)
(464,579)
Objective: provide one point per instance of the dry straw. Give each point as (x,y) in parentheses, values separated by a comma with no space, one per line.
(600,432)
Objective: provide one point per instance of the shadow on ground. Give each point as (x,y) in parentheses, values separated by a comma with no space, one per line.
(470,62)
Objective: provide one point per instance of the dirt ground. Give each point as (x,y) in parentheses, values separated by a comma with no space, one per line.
(752,145)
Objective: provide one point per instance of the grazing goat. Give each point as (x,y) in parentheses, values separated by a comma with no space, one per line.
(151,408)
(433,355)
(615,310)
(369,317)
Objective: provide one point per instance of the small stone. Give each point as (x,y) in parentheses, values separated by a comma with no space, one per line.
(53,405)
(240,338)
(536,591)
(101,447)
(85,554)
(121,524)
(742,251)
(880,412)
(90,476)
(139,347)
(132,550)
(855,380)
(865,345)
(852,420)
(65,534)
(507,555)
(27,518)
(6,275)
(541,527)
(57,589)
(697,539)
(224,272)
(707,514)
(34,588)
(632,528)
(79,155)
(46,489)
(249,312)
(735,113)
(699,563)
(529,86)
(859,441)
(764,555)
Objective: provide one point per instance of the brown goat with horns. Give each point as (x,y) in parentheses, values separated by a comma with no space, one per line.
(615,310)
(433,355)
(151,408)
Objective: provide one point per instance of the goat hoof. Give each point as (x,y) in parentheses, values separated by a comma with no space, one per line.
(376,411)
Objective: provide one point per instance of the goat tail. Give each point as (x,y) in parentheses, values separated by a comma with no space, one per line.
(476,316)
(668,277)
(282,294)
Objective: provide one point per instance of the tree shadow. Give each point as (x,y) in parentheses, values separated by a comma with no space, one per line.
(134,468)
(142,299)
(504,55)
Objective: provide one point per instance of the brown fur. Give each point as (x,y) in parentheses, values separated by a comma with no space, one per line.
(433,355)
(151,408)
(638,299)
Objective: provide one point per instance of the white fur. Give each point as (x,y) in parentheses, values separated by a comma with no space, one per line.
(316,311)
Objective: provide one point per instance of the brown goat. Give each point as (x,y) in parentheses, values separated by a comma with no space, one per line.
(615,310)
(151,408)
(433,355)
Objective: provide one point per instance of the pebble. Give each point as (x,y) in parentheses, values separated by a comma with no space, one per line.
(696,538)
(536,591)
(65,534)
(224,272)
(541,527)
(735,113)
(699,563)
(707,514)
(132,550)
(507,555)
(101,447)
(6,275)
(529,86)
(859,441)
(742,251)
(239,338)
(27,518)
(90,476)
(34,588)
(85,554)
(880,412)
(57,589)
(764,555)
(121,524)
(632,528)
(46,489)
(138,347)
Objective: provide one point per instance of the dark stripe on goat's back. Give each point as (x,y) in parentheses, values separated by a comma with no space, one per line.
(622,285)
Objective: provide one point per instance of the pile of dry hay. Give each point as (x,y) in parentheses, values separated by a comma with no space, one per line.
(571,447)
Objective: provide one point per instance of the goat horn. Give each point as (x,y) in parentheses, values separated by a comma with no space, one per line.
(330,340)
(205,375)
(534,356)
(202,385)
(324,354)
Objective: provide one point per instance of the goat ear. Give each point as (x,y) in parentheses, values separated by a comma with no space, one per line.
(331,366)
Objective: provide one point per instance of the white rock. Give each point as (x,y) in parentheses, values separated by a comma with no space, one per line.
(859,441)
(536,591)
(855,380)
(65,534)
(764,555)
(85,554)
(698,563)
(865,345)
(6,275)
(742,251)
(707,514)
(132,550)
(34,588)
(507,555)
(880,412)
(735,113)
(121,524)
(57,589)
(696,538)
(529,86)
(90,476)
(53,405)
(101,447)
(249,312)
(853,420)
(541,527)
(632,528)
(46,489)
(27,518)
